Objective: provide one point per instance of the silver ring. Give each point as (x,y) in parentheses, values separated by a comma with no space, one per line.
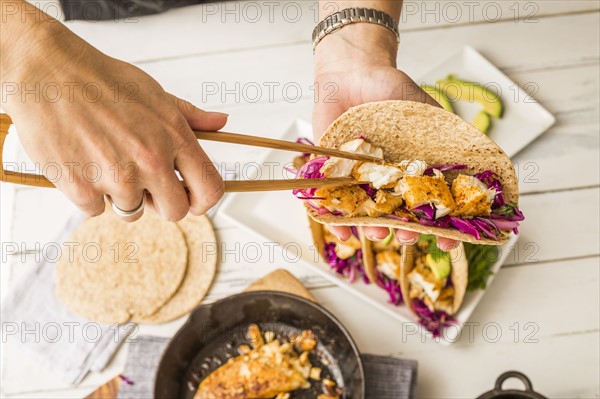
(133,212)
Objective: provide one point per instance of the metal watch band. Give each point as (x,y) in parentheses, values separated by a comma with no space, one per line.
(347,16)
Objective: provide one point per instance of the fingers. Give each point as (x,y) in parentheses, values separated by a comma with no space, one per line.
(83,196)
(199,119)
(446,244)
(205,185)
(341,232)
(406,237)
(168,195)
(375,233)
(128,200)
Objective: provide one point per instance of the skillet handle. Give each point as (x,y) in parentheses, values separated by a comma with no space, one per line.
(7,176)
(513,374)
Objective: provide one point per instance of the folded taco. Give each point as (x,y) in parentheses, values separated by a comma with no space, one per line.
(438,175)
(434,282)
(358,258)
(343,257)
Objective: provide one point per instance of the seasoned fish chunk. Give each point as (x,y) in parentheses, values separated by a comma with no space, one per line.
(340,167)
(388,263)
(424,284)
(472,197)
(351,200)
(386,202)
(445,301)
(380,176)
(422,190)
(263,372)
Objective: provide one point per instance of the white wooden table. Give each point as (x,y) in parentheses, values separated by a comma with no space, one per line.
(544,302)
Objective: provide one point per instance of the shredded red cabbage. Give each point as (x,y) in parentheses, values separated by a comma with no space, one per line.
(464,226)
(310,170)
(504,224)
(484,227)
(489,179)
(392,287)
(426,211)
(351,267)
(444,221)
(433,322)
(443,168)
(369,190)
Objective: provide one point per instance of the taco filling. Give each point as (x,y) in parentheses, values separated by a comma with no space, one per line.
(387,268)
(411,191)
(345,257)
(431,290)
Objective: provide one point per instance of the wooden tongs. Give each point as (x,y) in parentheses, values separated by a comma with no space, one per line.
(35,180)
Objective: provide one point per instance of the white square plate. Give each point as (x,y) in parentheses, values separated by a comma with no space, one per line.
(524,119)
(279,217)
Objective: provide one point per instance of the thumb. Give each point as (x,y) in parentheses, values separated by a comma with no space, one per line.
(199,119)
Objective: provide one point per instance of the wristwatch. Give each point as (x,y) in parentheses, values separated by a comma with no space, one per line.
(347,16)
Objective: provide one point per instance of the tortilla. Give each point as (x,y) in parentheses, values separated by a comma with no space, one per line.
(368,256)
(459,274)
(407,130)
(139,266)
(201,270)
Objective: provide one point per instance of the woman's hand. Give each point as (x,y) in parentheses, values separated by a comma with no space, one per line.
(106,127)
(359,63)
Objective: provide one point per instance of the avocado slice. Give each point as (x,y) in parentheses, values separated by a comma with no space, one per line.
(439,96)
(457,89)
(482,121)
(439,264)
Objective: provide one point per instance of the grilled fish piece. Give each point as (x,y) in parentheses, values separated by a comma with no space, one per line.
(423,283)
(380,176)
(340,167)
(388,263)
(386,202)
(263,372)
(472,197)
(351,200)
(422,190)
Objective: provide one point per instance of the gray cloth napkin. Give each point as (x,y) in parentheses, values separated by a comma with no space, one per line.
(385,377)
(39,324)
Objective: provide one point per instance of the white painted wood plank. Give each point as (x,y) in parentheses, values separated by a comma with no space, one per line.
(504,45)
(552,231)
(560,297)
(562,302)
(249,77)
(223,27)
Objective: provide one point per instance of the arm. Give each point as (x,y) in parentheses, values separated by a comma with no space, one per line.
(75,106)
(359,61)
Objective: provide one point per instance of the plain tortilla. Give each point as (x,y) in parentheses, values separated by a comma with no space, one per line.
(459,274)
(407,130)
(138,268)
(201,270)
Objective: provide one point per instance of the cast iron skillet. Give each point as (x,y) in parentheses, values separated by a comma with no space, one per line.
(499,393)
(213,333)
